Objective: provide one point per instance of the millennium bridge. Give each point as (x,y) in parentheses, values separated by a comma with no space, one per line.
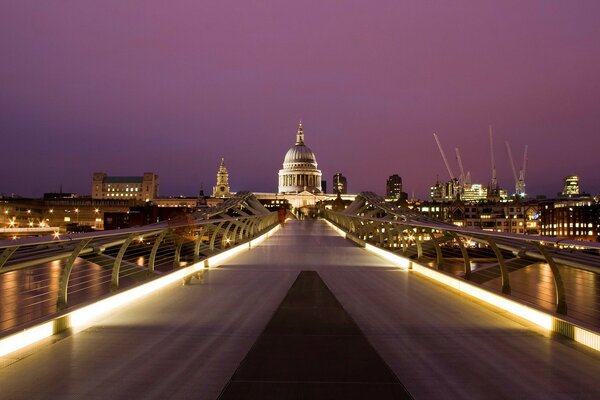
(374,301)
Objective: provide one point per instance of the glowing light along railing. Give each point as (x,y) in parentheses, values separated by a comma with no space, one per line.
(26,338)
(85,317)
(539,318)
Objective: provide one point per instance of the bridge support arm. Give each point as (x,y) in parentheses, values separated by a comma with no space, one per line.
(501,263)
(66,274)
(465,254)
(114,284)
(6,254)
(561,302)
(155,246)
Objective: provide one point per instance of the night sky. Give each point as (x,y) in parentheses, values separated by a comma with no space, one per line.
(172,86)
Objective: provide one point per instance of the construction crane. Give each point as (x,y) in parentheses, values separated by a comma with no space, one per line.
(494,185)
(461,178)
(437,140)
(464,179)
(455,184)
(519,179)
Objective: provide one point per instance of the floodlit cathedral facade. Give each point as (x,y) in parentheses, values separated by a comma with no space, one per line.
(299,173)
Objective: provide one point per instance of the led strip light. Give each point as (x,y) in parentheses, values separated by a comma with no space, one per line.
(539,318)
(86,316)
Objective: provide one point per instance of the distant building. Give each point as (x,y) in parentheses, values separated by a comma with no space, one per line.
(299,173)
(340,184)
(514,217)
(474,192)
(570,186)
(323,186)
(221,189)
(445,192)
(393,187)
(141,188)
(571,219)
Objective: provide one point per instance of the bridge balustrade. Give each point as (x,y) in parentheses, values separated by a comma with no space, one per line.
(40,276)
(560,276)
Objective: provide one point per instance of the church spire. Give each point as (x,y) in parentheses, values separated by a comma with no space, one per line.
(222,187)
(300,134)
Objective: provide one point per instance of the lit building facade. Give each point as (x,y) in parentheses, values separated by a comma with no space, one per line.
(571,219)
(571,186)
(299,173)
(393,187)
(340,184)
(141,188)
(514,217)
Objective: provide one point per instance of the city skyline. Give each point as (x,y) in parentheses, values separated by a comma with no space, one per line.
(125,89)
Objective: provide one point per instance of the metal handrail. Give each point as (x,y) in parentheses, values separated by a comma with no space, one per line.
(206,232)
(370,219)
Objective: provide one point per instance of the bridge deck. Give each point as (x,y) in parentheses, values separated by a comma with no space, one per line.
(188,341)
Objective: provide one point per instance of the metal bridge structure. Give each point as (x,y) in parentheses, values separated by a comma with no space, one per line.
(411,235)
(154,249)
(400,306)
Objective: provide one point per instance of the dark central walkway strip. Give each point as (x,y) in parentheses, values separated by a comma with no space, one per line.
(312,349)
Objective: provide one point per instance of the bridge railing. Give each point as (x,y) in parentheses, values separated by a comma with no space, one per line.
(39,276)
(557,275)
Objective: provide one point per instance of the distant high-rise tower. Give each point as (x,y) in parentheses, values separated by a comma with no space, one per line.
(221,189)
(571,186)
(340,184)
(393,187)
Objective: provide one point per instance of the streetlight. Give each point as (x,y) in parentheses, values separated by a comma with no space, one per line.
(77,212)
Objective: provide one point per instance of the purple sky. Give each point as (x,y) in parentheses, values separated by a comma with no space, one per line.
(171,87)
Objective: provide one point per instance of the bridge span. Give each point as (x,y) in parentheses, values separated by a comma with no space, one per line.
(188,341)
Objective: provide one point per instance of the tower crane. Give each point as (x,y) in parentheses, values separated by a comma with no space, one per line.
(494,184)
(461,178)
(452,178)
(519,179)
(437,140)
(464,179)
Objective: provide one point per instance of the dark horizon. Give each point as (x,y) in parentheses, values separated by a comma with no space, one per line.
(123,87)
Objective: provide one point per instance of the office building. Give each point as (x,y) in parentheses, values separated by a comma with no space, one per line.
(141,188)
(340,184)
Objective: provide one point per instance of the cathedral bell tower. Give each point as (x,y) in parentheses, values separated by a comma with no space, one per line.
(221,189)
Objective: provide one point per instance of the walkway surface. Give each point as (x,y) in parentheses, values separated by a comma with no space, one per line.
(188,341)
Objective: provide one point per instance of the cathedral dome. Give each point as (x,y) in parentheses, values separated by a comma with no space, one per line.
(299,154)
(299,172)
